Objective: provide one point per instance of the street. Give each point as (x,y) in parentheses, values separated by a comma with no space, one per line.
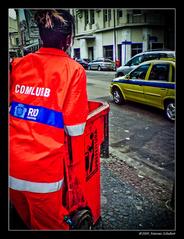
(136,130)
(137,179)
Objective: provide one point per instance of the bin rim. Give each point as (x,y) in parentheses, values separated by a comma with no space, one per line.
(104,106)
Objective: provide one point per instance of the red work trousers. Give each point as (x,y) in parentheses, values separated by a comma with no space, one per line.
(40,211)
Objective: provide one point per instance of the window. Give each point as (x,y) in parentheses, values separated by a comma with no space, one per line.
(163,55)
(105,15)
(92,17)
(119,13)
(159,72)
(76,24)
(151,56)
(109,14)
(17,41)
(13,54)
(86,17)
(135,61)
(156,45)
(137,12)
(107,60)
(140,72)
(136,48)
(90,53)
(171,55)
(77,53)
(108,52)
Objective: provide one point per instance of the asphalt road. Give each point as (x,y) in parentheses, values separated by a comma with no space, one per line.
(136,131)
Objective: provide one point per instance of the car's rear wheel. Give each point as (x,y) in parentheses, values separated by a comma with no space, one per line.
(99,68)
(169,110)
(117,96)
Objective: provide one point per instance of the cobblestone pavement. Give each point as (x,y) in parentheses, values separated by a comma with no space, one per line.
(131,201)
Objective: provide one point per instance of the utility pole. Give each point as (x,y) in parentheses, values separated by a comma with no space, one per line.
(114,36)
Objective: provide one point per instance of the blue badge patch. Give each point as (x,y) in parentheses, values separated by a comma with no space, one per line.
(20,111)
(37,113)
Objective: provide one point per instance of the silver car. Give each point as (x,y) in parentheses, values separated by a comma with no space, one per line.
(101,64)
(142,57)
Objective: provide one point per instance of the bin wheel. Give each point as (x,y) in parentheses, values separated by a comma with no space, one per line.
(82,220)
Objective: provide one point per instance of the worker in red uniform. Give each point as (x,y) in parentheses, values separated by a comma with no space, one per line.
(47,97)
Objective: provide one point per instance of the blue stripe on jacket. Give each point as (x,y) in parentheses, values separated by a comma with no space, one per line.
(37,114)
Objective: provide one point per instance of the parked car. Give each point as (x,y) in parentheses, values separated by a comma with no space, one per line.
(151,83)
(142,57)
(101,64)
(87,60)
(83,62)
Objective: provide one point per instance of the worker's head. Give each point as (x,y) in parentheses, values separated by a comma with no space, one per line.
(56,28)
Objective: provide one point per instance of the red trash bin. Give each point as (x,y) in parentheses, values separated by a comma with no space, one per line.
(82,168)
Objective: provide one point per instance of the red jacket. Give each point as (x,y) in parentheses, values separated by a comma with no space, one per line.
(48,95)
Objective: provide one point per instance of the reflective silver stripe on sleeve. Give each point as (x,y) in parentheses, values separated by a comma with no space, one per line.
(23,185)
(75,130)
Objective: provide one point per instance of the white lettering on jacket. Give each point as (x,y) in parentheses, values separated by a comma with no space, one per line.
(32,90)
(32,113)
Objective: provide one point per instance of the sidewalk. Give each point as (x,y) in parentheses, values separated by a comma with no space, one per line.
(132,200)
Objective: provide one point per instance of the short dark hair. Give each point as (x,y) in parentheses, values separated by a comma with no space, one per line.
(54,27)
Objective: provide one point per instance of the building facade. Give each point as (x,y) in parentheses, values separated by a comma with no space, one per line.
(23,32)
(112,33)
(121,33)
(13,40)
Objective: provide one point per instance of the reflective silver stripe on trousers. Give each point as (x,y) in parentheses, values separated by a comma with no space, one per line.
(23,185)
(75,130)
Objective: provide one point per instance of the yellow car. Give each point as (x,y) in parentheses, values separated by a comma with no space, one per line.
(151,83)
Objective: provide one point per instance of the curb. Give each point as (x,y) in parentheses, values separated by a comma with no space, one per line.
(140,167)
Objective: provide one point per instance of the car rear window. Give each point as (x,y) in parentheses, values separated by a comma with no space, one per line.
(151,56)
(171,55)
(163,55)
(135,61)
(107,60)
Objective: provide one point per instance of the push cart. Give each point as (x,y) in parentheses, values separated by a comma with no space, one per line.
(82,198)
